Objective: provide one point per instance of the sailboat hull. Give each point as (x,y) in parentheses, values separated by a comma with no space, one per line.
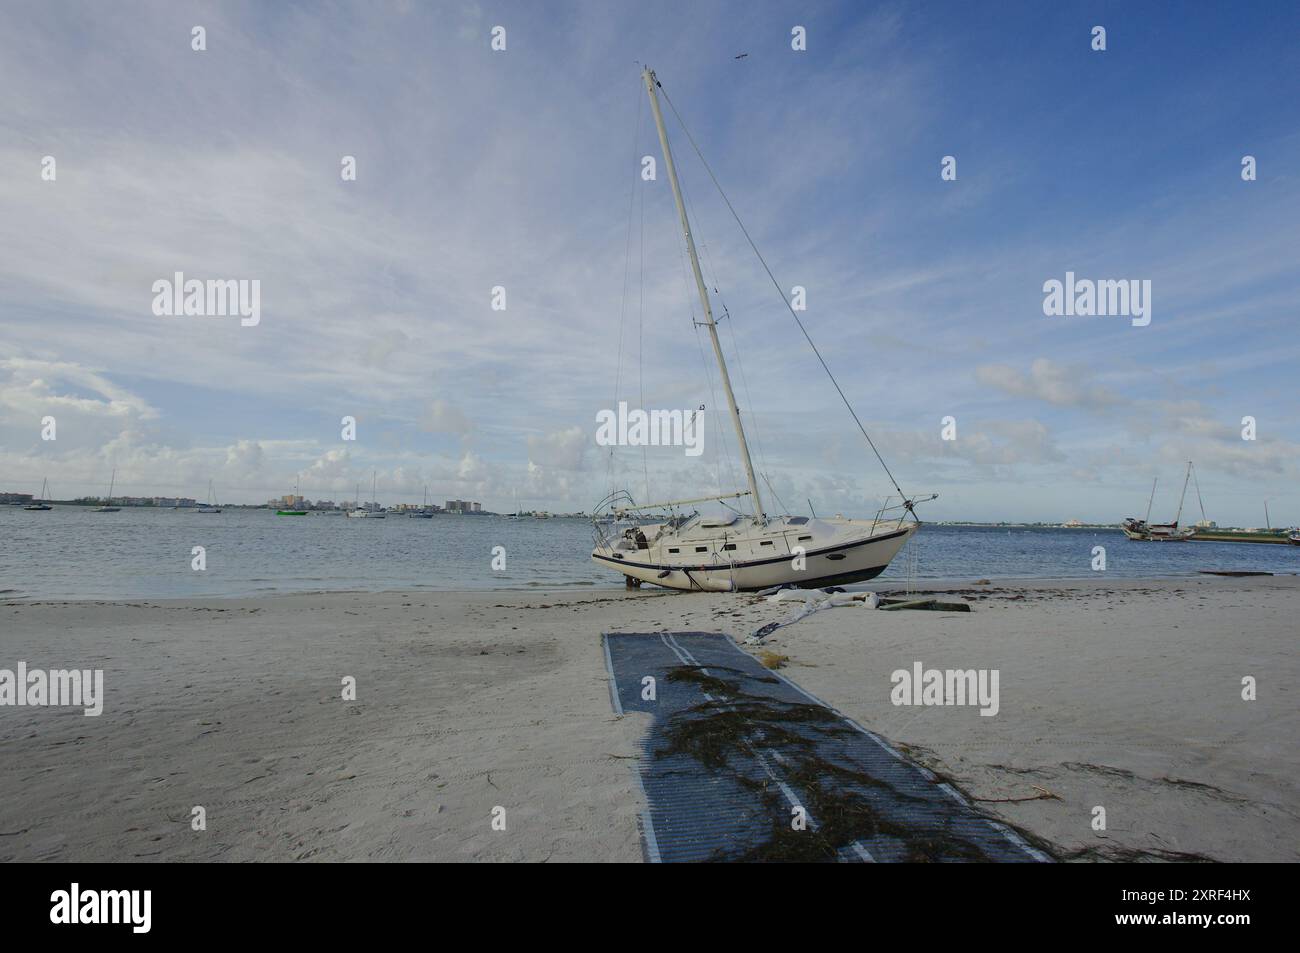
(848,562)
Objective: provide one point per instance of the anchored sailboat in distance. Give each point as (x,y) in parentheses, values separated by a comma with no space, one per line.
(39,503)
(1142,531)
(291,510)
(740,551)
(108,506)
(357,512)
(211,506)
(423,512)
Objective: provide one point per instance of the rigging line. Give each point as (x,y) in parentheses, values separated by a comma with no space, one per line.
(731,331)
(744,382)
(735,346)
(906,502)
(1197,480)
(771,489)
(708,376)
(627,268)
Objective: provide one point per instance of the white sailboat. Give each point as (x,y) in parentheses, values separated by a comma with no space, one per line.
(357,512)
(108,506)
(211,506)
(1144,531)
(423,512)
(740,551)
(39,503)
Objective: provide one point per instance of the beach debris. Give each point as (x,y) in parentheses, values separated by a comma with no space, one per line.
(982,582)
(814,600)
(1232,572)
(1042,795)
(932,605)
(772,660)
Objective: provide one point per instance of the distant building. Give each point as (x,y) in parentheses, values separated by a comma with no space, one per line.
(15,498)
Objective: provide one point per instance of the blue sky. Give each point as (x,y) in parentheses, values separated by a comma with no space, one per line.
(479,168)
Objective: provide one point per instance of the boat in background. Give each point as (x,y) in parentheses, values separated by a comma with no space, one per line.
(211,506)
(39,503)
(108,506)
(358,512)
(422,513)
(292,512)
(1143,531)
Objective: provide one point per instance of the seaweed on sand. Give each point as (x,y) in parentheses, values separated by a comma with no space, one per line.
(735,728)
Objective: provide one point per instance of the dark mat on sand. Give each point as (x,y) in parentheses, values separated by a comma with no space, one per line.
(735,748)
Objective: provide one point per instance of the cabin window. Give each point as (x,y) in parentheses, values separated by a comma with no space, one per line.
(729,546)
(766,542)
(701,549)
(674,550)
(802,538)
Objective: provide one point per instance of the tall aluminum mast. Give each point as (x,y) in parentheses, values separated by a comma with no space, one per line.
(651,84)
(1184,496)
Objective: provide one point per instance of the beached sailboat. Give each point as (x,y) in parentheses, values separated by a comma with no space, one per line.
(211,506)
(1143,531)
(357,512)
(740,551)
(108,506)
(39,503)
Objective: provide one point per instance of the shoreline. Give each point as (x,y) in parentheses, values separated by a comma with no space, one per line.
(935,585)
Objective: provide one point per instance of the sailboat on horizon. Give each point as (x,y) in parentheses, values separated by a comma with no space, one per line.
(423,512)
(211,505)
(357,512)
(290,511)
(740,551)
(108,506)
(1143,531)
(39,503)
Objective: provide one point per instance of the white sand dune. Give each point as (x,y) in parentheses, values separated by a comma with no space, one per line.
(1120,694)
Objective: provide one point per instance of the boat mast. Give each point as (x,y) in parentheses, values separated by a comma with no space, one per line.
(1197,483)
(651,84)
(111,480)
(1151,500)
(1181,498)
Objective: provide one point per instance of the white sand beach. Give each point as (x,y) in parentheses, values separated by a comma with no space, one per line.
(1120,694)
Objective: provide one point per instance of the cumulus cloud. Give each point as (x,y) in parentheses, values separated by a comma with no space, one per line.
(443,417)
(561,450)
(1046,380)
(31,388)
